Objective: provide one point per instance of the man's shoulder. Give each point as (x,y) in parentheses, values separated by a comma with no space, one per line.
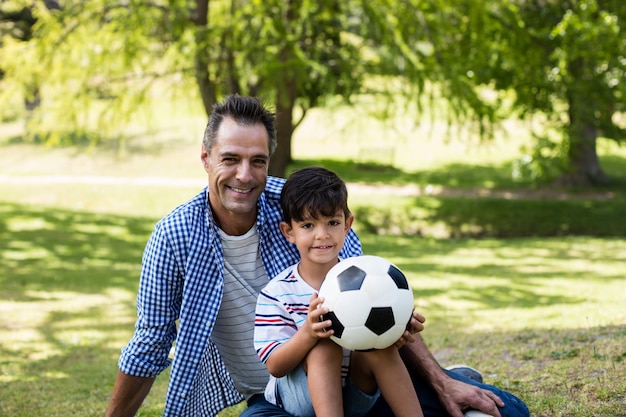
(273,187)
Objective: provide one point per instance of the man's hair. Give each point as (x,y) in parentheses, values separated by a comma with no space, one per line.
(244,110)
(314,192)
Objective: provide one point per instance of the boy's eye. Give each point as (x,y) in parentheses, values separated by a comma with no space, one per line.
(333,223)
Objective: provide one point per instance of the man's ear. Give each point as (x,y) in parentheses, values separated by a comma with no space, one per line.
(287,231)
(204,157)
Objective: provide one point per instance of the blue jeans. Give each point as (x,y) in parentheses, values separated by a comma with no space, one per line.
(513,406)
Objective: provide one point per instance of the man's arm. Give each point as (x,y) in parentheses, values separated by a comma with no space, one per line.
(454,395)
(128,393)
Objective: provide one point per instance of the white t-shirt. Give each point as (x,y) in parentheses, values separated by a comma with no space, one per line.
(244,277)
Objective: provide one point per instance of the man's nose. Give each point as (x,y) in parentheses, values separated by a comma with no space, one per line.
(244,171)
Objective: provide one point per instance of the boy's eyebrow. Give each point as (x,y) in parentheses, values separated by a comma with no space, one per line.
(308,215)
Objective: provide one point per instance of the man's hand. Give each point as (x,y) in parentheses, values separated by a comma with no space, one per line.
(459,396)
(415,325)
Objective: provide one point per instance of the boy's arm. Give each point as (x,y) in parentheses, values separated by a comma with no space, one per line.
(291,353)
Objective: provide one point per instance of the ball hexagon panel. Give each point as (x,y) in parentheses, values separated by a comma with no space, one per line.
(398,277)
(351,279)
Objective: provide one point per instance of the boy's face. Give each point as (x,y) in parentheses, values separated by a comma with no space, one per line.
(319,240)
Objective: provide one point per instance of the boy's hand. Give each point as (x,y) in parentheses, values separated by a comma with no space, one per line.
(319,328)
(414,326)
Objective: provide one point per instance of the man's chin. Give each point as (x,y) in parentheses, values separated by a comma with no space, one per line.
(241,208)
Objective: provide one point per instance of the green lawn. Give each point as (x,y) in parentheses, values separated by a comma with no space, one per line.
(538,308)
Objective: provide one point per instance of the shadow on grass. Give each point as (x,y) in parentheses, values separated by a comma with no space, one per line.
(454,175)
(68,267)
(451,175)
(71,370)
(497,274)
(69,280)
(57,250)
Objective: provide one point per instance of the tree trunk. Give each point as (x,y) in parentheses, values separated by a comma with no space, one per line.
(286,94)
(200,20)
(284,125)
(584,167)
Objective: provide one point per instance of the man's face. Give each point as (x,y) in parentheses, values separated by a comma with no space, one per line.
(237,166)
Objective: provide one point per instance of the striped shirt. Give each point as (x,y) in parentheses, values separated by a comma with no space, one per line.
(281,310)
(182,280)
(244,277)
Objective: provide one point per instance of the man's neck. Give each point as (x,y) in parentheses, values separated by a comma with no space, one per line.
(234,224)
(235,229)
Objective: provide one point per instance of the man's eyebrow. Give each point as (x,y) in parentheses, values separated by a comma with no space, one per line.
(260,155)
(229,154)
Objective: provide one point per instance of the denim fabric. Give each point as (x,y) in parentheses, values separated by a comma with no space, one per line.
(513,406)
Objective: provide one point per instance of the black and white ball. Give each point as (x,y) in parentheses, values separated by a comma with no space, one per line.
(370,302)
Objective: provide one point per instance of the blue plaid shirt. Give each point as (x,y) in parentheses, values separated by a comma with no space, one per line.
(182,278)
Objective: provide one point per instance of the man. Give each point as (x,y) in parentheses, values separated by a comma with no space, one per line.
(204,266)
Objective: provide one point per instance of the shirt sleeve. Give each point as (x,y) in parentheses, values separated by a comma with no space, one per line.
(158,304)
(273,325)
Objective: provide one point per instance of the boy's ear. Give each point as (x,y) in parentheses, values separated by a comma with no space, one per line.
(287,231)
(349,221)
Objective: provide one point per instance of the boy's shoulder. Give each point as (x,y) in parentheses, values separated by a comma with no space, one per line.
(287,275)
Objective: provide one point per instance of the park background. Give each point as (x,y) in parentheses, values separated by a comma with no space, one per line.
(480,142)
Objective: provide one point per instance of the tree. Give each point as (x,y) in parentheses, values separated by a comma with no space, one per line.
(104,55)
(577,52)
(292,51)
(16,22)
(564,60)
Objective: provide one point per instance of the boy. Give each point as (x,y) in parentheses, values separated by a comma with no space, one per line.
(311,375)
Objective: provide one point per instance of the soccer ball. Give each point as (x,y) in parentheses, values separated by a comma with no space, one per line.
(476,413)
(370,302)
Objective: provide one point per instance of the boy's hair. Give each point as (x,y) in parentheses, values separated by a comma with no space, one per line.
(246,111)
(314,192)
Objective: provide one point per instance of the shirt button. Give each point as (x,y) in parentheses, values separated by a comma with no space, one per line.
(183,395)
(195,361)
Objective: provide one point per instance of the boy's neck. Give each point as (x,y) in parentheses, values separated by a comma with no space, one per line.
(314,273)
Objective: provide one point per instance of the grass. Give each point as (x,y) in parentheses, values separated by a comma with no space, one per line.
(527,288)
(542,317)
